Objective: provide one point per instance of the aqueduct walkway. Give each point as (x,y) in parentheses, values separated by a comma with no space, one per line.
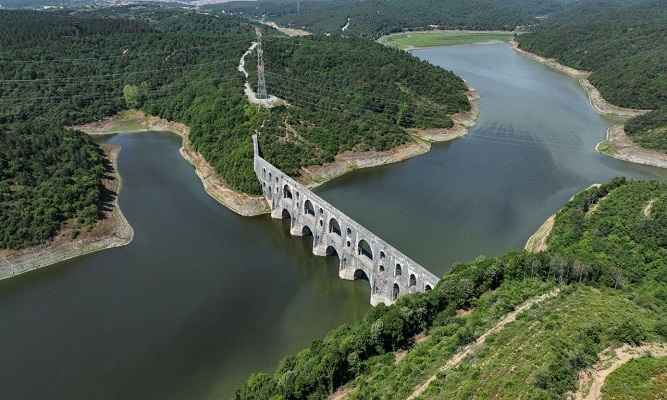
(391,273)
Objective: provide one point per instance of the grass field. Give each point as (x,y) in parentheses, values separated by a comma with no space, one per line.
(406,41)
(642,378)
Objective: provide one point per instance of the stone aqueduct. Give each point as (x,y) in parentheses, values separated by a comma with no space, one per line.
(391,273)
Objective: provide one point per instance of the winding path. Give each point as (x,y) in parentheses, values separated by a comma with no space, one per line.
(456,359)
(592,379)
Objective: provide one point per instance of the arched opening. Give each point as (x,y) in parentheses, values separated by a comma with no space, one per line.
(331,251)
(287,193)
(269,175)
(308,208)
(427,288)
(263,173)
(305,231)
(360,274)
(348,231)
(394,292)
(381,268)
(413,280)
(334,227)
(364,249)
(321,223)
(277,179)
(285,214)
(321,211)
(297,195)
(382,255)
(398,270)
(348,243)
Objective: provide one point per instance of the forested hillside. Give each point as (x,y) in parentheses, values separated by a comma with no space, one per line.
(608,257)
(624,45)
(168,19)
(375,18)
(62,70)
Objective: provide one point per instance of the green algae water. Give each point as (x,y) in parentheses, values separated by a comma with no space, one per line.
(202,297)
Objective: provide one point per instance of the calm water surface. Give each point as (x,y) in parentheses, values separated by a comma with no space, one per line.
(202,297)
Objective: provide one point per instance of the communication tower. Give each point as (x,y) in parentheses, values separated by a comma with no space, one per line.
(261,80)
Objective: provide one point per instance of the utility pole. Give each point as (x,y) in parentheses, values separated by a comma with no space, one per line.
(298,6)
(261,80)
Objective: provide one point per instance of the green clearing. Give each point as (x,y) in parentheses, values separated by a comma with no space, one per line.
(641,378)
(431,39)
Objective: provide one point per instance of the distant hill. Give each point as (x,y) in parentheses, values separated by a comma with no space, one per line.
(374,18)
(625,47)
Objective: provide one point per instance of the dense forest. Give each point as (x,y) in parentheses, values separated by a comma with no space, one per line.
(375,18)
(168,19)
(48,175)
(608,255)
(624,45)
(61,70)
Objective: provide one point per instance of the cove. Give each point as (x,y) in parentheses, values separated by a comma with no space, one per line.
(202,297)
(533,148)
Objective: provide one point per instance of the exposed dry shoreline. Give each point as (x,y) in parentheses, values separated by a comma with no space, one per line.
(349,161)
(135,121)
(112,230)
(618,144)
(216,187)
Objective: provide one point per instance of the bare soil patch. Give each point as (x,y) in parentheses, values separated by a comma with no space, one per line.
(623,148)
(538,241)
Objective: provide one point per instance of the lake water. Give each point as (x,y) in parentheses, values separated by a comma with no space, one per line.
(202,297)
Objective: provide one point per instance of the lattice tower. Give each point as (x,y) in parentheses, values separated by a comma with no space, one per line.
(261,80)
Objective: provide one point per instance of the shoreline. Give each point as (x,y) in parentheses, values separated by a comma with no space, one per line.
(599,104)
(113,230)
(537,242)
(248,206)
(620,146)
(347,161)
(215,186)
(617,144)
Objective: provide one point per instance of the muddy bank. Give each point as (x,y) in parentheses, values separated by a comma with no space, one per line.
(134,121)
(349,161)
(112,230)
(619,145)
(598,103)
(538,241)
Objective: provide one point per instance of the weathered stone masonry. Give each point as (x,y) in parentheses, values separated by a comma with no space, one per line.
(391,273)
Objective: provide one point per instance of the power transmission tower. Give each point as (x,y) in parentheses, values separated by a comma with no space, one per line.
(261,80)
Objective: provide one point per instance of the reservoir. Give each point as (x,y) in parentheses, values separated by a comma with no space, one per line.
(202,297)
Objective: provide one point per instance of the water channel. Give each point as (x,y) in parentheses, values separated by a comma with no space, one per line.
(202,297)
